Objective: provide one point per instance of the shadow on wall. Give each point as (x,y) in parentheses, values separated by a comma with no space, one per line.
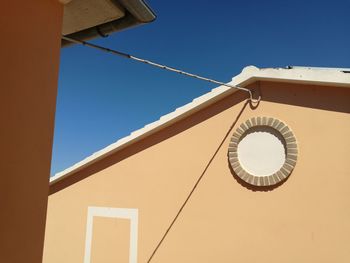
(151,140)
(310,96)
(318,97)
(229,131)
(253,187)
(334,99)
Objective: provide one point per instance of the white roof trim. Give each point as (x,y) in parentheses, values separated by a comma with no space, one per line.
(249,75)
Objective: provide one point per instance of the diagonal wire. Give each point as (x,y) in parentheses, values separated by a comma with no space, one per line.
(148,62)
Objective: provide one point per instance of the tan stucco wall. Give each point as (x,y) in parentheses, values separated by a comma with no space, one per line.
(306,219)
(29,56)
(113,235)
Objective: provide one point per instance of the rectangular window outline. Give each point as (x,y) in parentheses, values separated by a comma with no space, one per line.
(123,213)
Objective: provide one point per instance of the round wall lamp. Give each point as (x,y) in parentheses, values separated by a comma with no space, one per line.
(263,151)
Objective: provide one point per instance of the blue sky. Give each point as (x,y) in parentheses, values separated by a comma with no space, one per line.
(102,98)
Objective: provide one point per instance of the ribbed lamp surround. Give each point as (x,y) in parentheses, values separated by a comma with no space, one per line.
(282,133)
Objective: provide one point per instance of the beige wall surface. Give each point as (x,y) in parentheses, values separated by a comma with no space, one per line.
(192,208)
(112,235)
(29,56)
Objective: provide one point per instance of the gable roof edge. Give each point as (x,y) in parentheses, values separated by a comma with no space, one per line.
(248,75)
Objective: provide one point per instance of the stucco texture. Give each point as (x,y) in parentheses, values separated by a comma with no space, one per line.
(29,52)
(192,208)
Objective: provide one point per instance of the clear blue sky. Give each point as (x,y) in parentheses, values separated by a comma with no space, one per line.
(102,98)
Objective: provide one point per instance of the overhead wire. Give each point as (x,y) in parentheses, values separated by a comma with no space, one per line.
(148,62)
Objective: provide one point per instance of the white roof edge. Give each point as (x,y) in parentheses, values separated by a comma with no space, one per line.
(249,75)
(347,70)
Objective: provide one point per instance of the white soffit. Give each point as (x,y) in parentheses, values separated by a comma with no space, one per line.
(83,14)
(249,75)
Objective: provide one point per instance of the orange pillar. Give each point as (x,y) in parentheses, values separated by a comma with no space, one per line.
(29,60)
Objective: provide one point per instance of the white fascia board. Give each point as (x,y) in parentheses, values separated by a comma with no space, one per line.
(249,75)
(312,76)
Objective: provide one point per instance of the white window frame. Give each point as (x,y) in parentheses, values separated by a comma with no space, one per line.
(123,213)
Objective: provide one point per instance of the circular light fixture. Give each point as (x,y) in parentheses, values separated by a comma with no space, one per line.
(263,151)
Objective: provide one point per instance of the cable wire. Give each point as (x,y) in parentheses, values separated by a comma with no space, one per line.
(148,62)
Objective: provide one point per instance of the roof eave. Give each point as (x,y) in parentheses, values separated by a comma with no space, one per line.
(136,12)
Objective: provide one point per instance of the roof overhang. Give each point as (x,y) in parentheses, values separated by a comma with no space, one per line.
(88,19)
(248,76)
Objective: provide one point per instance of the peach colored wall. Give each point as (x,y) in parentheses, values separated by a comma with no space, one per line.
(113,235)
(306,219)
(29,52)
